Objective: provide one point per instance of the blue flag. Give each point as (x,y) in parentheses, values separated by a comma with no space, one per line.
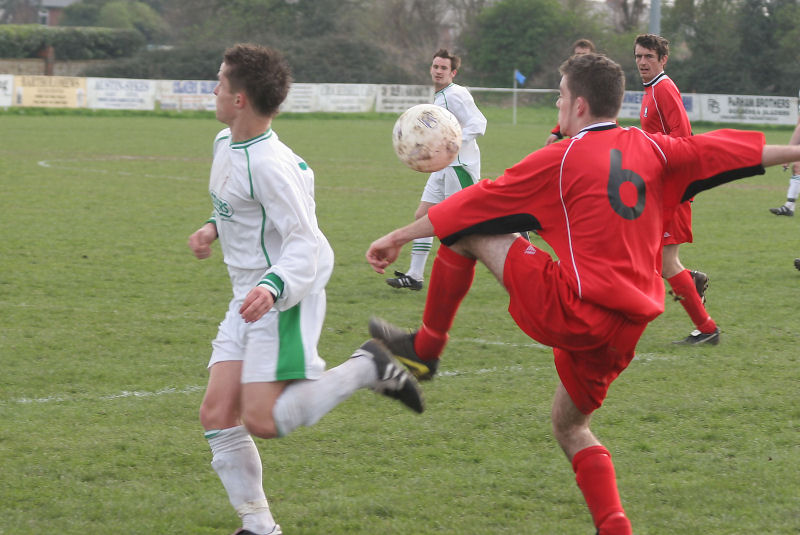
(519,77)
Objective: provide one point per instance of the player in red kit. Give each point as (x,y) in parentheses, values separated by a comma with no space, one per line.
(599,201)
(581,46)
(662,112)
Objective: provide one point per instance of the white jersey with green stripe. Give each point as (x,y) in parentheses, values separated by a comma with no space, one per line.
(458,101)
(265,213)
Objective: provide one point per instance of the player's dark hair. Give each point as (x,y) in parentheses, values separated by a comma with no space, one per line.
(584,43)
(262,73)
(598,79)
(653,42)
(455,61)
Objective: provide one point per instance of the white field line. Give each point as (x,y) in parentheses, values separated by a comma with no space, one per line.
(191,389)
(118,395)
(60,164)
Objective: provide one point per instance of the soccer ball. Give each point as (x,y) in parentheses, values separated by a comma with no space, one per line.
(426,138)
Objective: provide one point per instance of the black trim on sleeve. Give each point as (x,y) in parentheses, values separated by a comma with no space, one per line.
(501,225)
(717,180)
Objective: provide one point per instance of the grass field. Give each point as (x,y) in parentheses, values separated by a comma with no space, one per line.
(107,320)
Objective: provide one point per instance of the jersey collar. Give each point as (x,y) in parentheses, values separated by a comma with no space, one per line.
(246,143)
(655,80)
(445,87)
(597,127)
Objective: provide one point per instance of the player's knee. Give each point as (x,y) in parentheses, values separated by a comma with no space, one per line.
(208,417)
(568,430)
(260,423)
(261,429)
(216,416)
(561,431)
(671,267)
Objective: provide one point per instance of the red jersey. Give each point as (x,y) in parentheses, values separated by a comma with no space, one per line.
(662,110)
(598,201)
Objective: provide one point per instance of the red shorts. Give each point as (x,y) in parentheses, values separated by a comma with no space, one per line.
(679,228)
(591,344)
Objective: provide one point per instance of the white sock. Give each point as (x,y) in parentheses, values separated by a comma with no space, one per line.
(420,248)
(305,402)
(794,189)
(238,465)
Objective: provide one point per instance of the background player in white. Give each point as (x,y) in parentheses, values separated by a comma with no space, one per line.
(794,182)
(465,169)
(265,375)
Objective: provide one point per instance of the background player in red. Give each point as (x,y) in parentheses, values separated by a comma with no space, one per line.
(581,46)
(663,112)
(599,201)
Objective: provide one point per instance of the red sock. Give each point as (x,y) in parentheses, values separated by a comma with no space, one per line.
(594,473)
(451,279)
(683,287)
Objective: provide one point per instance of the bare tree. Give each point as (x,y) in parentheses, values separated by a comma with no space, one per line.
(626,14)
(410,31)
(465,11)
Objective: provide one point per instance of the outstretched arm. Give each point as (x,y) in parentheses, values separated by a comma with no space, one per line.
(777,154)
(384,251)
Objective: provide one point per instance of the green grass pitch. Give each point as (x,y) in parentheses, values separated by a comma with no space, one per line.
(107,320)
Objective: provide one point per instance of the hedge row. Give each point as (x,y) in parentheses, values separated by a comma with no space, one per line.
(70,43)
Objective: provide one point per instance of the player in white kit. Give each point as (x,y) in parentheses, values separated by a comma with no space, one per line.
(464,171)
(793,192)
(266,377)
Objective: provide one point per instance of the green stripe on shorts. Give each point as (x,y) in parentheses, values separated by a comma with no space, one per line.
(291,357)
(464,178)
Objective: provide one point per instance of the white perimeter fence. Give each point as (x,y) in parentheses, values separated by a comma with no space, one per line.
(130,94)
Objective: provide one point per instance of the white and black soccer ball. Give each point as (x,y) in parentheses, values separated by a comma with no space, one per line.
(427,138)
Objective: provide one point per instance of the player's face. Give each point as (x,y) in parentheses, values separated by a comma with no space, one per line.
(441,73)
(225,97)
(581,50)
(565,104)
(648,62)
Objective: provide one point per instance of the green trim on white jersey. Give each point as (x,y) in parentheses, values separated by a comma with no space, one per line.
(271,280)
(291,353)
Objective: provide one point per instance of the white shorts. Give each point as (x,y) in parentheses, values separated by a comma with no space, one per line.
(444,183)
(281,346)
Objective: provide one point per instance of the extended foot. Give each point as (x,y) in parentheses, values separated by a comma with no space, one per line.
(697,338)
(402,280)
(701,283)
(797,263)
(401,343)
(782,210)
(394,380)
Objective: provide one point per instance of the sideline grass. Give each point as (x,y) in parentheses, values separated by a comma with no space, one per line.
(107,320)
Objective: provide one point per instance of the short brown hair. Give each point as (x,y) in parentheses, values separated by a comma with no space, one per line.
(653,42)
(455,61)
(584,43)
(598,79)
(262,73)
